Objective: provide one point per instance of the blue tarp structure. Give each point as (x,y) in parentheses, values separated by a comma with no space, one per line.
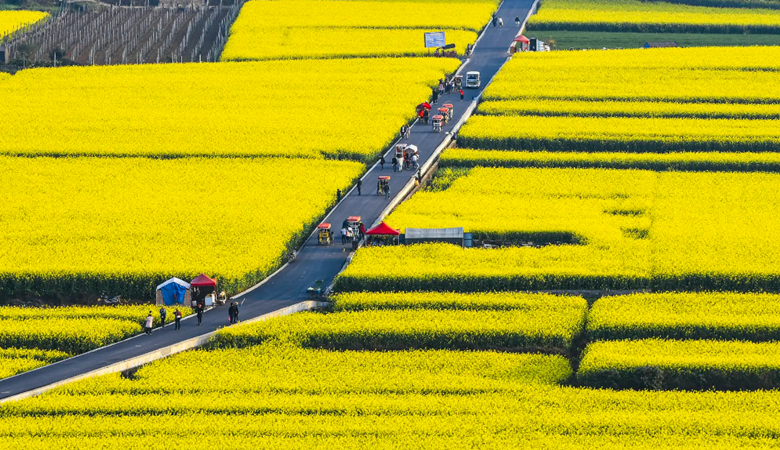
(173,291)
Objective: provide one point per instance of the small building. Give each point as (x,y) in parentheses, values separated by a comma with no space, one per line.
(667,44)
(422,235)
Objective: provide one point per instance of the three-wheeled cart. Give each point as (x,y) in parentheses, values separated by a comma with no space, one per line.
(381,183)
(324,234)
(437,122)
(353,223)
(450,111)
(316,291)
(445,113)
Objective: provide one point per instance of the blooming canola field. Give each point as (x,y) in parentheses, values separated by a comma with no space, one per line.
(13,20)
(607,229)
(294,29)
(280,108)
(655,17)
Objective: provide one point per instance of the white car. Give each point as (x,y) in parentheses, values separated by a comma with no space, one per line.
(472,80)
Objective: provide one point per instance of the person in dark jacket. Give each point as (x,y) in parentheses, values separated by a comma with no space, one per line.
(163,315)
(382,162)
(359,185)
(177,319)
(199,312)
(395,164)
(338,195)
(435,96)
(232,313)
(235,313)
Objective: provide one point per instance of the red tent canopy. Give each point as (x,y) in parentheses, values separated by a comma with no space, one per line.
(522,39)
(203,280)
(382,229)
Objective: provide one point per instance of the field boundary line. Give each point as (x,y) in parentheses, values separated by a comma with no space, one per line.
(164,352)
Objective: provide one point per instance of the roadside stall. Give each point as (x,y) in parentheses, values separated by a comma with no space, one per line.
(520,44)
(173,292)
(324,234)
(204,290)
(382,234)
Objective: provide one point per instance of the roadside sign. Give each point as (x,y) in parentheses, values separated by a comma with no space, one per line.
(435,39)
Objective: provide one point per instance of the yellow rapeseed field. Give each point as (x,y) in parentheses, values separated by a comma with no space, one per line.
(316,28)
(123,225)
(18,360)
(675,364)
(657,17)
(268,397)
(688,100)
(12,20)
(630,229)
(281,108)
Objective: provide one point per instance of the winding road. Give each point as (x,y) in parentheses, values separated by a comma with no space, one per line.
(314,262)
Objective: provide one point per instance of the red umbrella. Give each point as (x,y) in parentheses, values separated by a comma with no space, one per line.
(424,105)
(383,230)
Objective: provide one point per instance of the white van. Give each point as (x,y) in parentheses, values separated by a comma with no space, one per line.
(472,80)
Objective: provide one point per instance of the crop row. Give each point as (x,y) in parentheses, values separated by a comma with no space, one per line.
(17,360)
(651,17)
(280,397)
(620,134)
(673,364)
(73,330)
(461,158)
(538,327)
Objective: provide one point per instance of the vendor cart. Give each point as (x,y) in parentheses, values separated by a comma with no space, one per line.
(381,184)
(399,152)
(324,234)
(437,122)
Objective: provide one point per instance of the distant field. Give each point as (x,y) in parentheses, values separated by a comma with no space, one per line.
(317,29)
(11,20)
(576,40)
(215,109)
(689,100)
(651,17)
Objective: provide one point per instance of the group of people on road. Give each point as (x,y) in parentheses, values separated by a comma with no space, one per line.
(177,316)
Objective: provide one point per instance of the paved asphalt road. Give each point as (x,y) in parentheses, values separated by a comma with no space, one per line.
(314,262)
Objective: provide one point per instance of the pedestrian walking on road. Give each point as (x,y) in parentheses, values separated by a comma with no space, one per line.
(149,322)
(382,162)
(415,162)
(387,191)
(235,313)
(426,115)
(434,95)
(232,313)
(500,22)
(163,315)
(177,319)
(517,21)
(362,231)
(199,312)
(494,21)
(461,94)
(359,185)
(395,163)
(338,195)
(343,236)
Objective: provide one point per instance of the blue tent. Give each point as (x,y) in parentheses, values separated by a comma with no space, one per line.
(173,291)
